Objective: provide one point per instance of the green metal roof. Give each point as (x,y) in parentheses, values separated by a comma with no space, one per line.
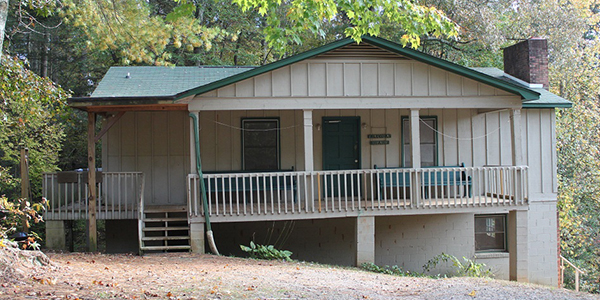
(176,83)
(526,94)
(159,81)
(546,99)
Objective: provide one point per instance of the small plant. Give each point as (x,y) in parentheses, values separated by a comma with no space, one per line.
(266,252)
(393,270)
(12,216)
(467,268)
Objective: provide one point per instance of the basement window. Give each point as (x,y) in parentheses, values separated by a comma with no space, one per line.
(260,144)
(490,233)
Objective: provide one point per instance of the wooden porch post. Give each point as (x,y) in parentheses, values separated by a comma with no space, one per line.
(415,144)
(517,220)
(24,185)
(309,164)
(92,232)
(515,128)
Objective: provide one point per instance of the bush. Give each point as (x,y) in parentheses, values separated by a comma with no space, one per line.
(12,216)
(266,252)
(393,270)
(467,268)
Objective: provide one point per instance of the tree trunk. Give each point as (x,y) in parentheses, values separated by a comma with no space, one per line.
(3,16)
(45,54)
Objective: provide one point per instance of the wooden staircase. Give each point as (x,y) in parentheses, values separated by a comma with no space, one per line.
(165,229)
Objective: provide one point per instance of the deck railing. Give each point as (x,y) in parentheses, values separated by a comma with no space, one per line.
(119,195)
(270,193)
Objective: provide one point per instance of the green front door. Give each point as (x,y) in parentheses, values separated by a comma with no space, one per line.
(341,151)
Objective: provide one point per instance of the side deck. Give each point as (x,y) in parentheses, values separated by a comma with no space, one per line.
(120,195)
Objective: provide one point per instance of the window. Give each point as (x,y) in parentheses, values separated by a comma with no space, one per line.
(260,144)
(490,233)
(428,136)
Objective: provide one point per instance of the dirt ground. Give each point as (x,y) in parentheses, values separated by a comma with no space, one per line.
(191,276)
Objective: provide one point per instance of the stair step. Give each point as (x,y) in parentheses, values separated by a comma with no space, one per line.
(158,248)
(164,219)
(165,238)
(166,228)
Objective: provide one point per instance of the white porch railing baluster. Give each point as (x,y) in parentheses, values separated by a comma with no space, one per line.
(274,193)
(68,197)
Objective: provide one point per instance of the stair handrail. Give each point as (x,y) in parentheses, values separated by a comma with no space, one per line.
(562,272)
(141,213)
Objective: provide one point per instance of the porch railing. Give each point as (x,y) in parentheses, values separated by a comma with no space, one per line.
(235,194)
(119,195)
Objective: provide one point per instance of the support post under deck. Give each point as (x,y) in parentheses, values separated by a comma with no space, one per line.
(55,235)
(518,246)
(365,240)
(197,237)
(92,232)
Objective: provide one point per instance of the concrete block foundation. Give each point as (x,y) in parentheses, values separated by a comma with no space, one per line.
(56,235)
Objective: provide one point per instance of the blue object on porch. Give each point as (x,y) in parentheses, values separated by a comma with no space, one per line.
(436,178)
(265,182)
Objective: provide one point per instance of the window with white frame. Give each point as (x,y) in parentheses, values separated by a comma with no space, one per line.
(428,137)
(260,144)
(490,233)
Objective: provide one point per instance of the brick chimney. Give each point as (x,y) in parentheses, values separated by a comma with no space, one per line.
(528,61)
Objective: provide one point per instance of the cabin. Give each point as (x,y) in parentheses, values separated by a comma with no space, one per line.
(345,154)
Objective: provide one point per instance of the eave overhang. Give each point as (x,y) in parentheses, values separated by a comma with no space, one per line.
(138,103)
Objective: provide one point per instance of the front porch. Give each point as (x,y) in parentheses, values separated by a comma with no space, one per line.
(296,195)
(241,197)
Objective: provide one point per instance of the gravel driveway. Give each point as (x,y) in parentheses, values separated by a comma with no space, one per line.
(191,276)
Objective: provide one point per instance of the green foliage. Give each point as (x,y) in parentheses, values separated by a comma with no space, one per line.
(14,213)
(266,252)
(467,267)
(287,21)
(136,34)
(578,143)
(393,270)
(31,111)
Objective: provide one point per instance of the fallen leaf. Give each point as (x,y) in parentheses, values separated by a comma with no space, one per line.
(472,293)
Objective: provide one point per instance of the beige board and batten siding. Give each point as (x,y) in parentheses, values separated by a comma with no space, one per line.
(221,138)
(464,136)
(157,144)
(356,83)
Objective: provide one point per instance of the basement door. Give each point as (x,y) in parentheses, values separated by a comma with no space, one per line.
(341,151)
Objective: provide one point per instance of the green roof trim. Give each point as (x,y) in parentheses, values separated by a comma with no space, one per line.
(547,105)
(546,100)
(526,94)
